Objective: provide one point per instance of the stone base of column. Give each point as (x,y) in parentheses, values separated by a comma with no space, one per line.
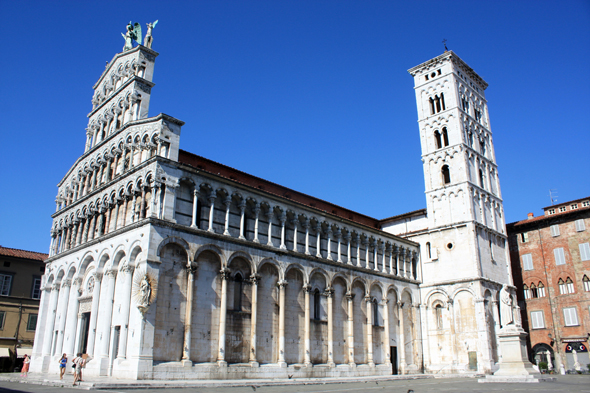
(352,365)
(254,364)
(282,364)
(307,365)
(222,363)
(101,365)
(514,366)
(186,363)
(371,364)
(331,364)
(40,364)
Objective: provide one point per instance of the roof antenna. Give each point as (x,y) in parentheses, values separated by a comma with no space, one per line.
(553,196)
(444,41)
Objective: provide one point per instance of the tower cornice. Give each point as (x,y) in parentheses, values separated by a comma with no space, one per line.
(449,56)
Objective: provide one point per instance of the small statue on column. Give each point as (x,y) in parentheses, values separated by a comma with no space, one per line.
(148,37)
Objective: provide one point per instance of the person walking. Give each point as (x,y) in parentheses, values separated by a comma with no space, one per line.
(62,365)
(78,363)
(25,370)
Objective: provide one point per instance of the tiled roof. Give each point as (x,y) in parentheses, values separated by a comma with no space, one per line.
(13,252)
(206,165)
(547,217)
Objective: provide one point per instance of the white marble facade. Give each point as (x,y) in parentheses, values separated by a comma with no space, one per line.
(162,268)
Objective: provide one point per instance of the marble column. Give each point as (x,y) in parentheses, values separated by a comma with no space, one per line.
(127,272)
(50,321)
(62,312)
(358,250)
(211,199)
(269,216)
(383,260)
(306,225)
(329,243)
(295,229)
(367,251)
(242,207)
(349,298)
(253,318)
(307,327)
(188,313)
(348,248)
(40,337)
(106,316)
(402,339)
(375,255)
(256,220)
(96,277)
(402,262)
(227,203)
(72,318)
(318,230)
(386,338)
(391,249)
(339,238)
(370,317)
(283,220)
(282,284)
(224,273)
(329,295)
(195,203)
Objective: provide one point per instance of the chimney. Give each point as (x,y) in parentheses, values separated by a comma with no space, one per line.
(530,215)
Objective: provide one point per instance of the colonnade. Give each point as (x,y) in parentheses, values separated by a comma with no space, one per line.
(124,209)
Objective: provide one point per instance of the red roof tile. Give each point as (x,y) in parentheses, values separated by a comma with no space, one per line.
(13,252)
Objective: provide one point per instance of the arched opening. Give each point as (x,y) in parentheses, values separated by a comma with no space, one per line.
(437,139)
(481,179)
(445,136)
(442,101)
(316,305)
(438,310)
(428,250)
(431,101)
(446,174)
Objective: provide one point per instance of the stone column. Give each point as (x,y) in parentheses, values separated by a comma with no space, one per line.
(222,317)
(253,318)
(62,311)
(52,243)
(256,216)
(188,314)
(386,338)
(134,213)
(73,239)
(50,321)
(329,243)
(391,251)
(211,199)
(383,261)
(424,325)
(398,250)
(195,203)
(329,295)
(107,312)
(242,207)
(349,298)
(72,318)
(143,204)
(40,337)
(155,188)
(348,249)
(282,285)
(358,250)
(367,251)
(127,272)
(409,257)
(227,203)
(307,327)
(339,238)
(369,306)
(375,255)
(88,140)
(269,216)
(295,225)
(306,226)
(402,339)
(79,232)
(402,261)
(96,277)
(318,229)
(283,220)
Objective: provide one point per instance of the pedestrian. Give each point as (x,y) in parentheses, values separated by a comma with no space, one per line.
(78,364)
(25,370)
(62,365)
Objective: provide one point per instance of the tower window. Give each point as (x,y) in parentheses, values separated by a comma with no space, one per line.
(445,136)
(432,112)
(428,250)
(446,174)
(437,139)
(470,139)
(541,289)
(481,179)
(437,103)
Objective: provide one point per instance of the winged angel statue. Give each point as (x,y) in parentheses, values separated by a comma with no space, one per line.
(133,33)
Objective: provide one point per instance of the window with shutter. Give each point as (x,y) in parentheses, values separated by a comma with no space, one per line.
(541,290)
(580,226)
(559,256)
(554,230)
(527,262)
(571,316)
(5,284)
(527,292)
(570,285)
(584,251)
(586,282)
(537,319)
(562,287)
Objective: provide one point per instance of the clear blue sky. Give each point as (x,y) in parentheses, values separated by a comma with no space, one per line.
(313,95)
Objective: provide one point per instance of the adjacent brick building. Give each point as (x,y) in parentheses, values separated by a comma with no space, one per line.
(550,258)
(20,290)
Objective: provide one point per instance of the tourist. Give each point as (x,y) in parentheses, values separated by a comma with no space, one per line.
(62,365)
(25,370)
(78,363)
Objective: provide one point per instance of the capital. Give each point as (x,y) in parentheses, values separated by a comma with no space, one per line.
(66,283)
(224,273)
(127,269)
(282,283)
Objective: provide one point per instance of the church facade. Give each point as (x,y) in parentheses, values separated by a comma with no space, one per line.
(166,265)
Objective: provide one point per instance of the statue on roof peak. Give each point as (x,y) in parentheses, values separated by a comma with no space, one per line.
(133,34)
(148,37)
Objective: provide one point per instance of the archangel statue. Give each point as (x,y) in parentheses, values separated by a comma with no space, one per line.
(133,33)
(148,37)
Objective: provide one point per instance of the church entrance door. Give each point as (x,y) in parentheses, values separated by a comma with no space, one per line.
(393,357)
